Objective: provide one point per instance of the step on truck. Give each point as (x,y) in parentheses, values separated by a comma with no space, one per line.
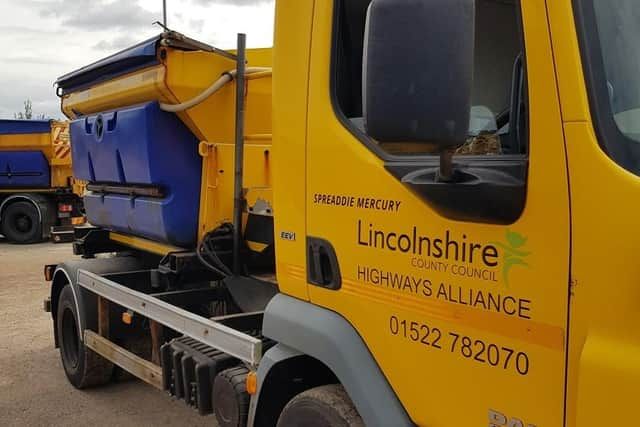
(39,197)
(406,213)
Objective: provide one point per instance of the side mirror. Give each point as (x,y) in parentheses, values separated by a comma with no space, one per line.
(418,72)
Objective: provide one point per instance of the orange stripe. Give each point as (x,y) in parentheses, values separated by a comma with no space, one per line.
(56,135)
(542,334)
(294,271)
(62,152)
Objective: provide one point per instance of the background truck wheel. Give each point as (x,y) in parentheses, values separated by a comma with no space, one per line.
(21,223)
(324,406)
(84,368)
(230,398)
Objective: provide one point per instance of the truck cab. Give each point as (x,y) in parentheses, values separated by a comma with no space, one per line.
(427,177)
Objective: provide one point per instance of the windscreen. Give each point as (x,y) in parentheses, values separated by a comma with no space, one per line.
(618,25)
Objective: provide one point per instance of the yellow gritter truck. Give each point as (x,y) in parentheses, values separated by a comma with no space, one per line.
(39,197)
(408,212)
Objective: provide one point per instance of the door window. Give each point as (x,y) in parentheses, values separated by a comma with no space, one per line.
(498,120)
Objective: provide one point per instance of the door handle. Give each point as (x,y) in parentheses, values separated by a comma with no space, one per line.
(322,264)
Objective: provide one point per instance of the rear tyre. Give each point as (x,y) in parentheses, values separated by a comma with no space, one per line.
(324,406)
(230,398)
(84,367)
(21,223)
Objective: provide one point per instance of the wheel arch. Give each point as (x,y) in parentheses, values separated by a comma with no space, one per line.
(283,373)
(61,279)
(321,340)
(85,301)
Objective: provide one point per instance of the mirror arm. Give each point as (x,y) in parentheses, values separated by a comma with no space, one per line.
(446,165)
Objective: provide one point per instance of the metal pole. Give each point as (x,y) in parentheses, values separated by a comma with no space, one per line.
(446,165)
(164,13)
(238,199)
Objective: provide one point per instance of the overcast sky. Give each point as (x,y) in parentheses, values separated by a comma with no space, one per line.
(44,39)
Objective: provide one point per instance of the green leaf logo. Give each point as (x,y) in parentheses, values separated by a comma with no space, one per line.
(514,253)
(516,240)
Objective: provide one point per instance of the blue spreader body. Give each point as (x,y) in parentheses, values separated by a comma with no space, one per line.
(140,146)
(126,61)
(24,169)
(21,127)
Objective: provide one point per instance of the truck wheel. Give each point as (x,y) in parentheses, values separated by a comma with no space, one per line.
(84,367)
(324,406)
(230,398)
(21,223)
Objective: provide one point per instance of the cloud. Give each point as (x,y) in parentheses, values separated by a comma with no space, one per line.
(22,30)
(49,38)
(208,3)
(196,25)
(40,92)
(117,43)
(32,60)
(98,15)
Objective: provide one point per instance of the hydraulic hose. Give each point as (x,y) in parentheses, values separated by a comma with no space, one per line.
(215,87)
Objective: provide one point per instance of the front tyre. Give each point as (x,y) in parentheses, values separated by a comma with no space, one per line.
(84,367)
(324,406)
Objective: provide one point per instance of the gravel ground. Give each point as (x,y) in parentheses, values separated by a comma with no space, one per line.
(33,388)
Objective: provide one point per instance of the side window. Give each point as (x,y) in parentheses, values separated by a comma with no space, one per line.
(498,118)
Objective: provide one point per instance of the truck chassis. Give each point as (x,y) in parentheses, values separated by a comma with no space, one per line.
(175,349)
(212,332)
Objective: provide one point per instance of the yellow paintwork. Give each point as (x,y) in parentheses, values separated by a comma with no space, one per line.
(56,148)
(290,86)
(433,384)
(436,387)
(143,244)
(216,194)
(35,141)
(181,76)
(133,88)
(188,73)
(604,343)
(60,160)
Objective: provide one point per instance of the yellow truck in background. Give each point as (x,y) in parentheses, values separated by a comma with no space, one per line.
(39,196)
(408,212)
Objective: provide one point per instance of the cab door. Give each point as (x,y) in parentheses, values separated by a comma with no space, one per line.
(461,296)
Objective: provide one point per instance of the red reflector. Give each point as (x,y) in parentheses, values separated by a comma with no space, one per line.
(65,208)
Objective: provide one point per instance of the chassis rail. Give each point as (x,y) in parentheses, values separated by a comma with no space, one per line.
(235,343)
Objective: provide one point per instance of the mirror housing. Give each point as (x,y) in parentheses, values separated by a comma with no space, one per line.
(418,71)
